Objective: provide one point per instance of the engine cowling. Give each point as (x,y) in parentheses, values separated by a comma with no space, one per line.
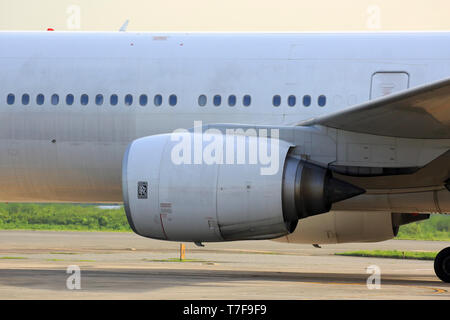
(350,226)
(207,202)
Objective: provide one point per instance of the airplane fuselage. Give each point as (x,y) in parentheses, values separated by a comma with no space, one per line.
(63,135)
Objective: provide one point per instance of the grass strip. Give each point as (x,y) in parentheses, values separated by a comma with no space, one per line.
(393,254)
(82,217)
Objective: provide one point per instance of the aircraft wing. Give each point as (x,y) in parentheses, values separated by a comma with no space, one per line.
(422,112)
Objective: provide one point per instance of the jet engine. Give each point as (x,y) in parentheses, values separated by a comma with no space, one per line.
(189,188)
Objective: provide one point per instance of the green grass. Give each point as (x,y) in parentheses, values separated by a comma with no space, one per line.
(70,217)
(74,217)
(435,228)
(7,258)
(417,255)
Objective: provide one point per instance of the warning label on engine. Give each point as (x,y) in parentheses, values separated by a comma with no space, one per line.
(165,207)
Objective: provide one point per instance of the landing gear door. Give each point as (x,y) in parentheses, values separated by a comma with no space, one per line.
(386,83)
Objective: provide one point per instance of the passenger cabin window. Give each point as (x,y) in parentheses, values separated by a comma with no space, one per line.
(247,100)
(143,100)
(322,101)
(99,99)
(292,100)
(276,101)
(70,99)
(128,100)
(232,100)
(114,100)
(55,99)
(157,100)
(25,99)
(40,99)
(10,99)
(202,100)
(307,101)
(84,99)
(172,100)
(217,100)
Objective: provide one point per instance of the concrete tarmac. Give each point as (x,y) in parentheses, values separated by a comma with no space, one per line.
(33,265)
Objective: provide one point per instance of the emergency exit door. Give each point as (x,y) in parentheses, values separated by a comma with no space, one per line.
(386,83)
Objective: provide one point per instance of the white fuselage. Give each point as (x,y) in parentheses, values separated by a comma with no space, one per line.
(61,152)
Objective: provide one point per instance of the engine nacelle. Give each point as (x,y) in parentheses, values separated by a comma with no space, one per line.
(350,226)
(207,202)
